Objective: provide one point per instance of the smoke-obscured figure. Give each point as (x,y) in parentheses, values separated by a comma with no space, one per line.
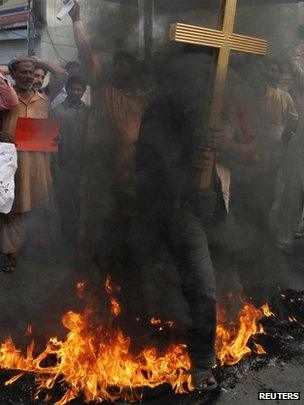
(108,191)
(273,119)
(73,116)
(33,180)
(173,146)
(288,209)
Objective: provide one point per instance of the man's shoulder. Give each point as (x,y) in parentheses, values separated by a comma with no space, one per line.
(282,92)
(42,96)
(159,114)
(84,106)
(60,108)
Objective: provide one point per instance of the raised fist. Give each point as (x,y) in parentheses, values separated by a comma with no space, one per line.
(75,12)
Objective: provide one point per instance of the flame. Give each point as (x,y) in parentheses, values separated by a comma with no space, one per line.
(292,319)
(259,349)
(29,330)
(108,285)
(14,379)
(154,321)
(98,362)
(232,340)
(80,287)
(115,307)
(266,311)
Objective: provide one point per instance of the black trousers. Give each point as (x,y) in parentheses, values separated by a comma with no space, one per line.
(185,238)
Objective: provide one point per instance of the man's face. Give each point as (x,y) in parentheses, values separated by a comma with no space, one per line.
(24,75)
(74,71)
(39,77)
(75,92)
(122,72)
(273,74)
(255,74)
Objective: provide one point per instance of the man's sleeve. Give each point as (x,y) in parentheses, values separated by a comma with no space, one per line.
(291,118)
(8,96)
(298,78)
(291,115)
(53,88)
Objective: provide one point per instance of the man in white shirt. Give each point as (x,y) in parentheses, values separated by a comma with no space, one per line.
(73,69)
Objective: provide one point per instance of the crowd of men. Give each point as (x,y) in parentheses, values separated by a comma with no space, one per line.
(124,176)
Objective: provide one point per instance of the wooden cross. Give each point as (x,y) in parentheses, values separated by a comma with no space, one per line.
(226,41)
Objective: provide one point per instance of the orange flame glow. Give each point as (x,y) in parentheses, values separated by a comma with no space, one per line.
(29,330)
(98,362)
(232,340)
(115,307)
(80,287)
(292,319)
(266,311)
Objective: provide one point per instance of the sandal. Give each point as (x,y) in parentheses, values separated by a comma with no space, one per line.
(203,379)
(9,265)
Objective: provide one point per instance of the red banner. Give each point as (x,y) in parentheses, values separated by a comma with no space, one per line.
(37,135)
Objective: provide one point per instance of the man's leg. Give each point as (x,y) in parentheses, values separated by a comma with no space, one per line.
(11,237)
(187,242)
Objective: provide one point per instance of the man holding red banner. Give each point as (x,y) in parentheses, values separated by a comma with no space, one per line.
(27,126)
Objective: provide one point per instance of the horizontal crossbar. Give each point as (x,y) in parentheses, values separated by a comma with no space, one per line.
(214,38)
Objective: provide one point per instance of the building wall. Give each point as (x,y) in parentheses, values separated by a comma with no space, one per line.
(110,26)
(276,23)
(13,32)
(113,26)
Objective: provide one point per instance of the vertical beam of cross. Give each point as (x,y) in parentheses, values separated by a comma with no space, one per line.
(226,41)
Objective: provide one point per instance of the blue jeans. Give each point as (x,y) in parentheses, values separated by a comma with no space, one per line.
(186,240)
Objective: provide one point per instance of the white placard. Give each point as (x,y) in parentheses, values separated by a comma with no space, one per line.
(65,10)
(8,167)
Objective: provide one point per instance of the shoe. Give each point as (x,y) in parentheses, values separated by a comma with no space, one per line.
(203,379)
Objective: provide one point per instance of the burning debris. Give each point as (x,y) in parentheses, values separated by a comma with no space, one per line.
(99,363)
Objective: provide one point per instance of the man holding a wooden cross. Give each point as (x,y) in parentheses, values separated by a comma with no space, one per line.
(173,149)
(179,185)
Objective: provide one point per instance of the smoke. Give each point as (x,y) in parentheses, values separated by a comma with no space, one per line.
(184,78)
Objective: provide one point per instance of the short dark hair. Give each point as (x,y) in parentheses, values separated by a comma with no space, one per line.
(42,67)
(72,64)
(76,80)
(125,57)
(274,61)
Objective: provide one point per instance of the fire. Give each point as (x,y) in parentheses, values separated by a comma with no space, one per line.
(259,349)
(154,321)
(115,307)
(292,319)
(108,285)
(232,340)
(97,361)
(266,311)
(80,287)
(29,330)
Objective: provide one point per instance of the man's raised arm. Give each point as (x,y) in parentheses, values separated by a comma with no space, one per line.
(8,96)
(87,58)
(59,76)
